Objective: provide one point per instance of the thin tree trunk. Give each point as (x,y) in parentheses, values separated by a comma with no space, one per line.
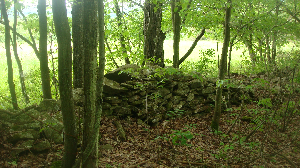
(176,20)
(90,26)
(274,38)
(268,50)
(100,75)
(62,30)
(222,70)
(43,50)
(77,35)
(122,39)
(8,56)
(15,48)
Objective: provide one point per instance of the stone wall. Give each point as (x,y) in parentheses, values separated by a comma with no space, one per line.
(154,94)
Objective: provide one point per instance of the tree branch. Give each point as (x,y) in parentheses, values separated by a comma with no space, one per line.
(188,53)
(292,14)
(26,40)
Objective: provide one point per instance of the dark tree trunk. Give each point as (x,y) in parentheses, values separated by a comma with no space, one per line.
(43,50)
(90,26)
(122,39)
(8,56)
(268,50)
(77,35)
(62,30)
(260,48)
(274,38)
(153,35)
(100,75)
(176,20)
(222,70)
(15,48)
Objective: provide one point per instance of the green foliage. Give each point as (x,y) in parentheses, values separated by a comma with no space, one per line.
(56,164)
(175,113)
(181,137)
(206,65)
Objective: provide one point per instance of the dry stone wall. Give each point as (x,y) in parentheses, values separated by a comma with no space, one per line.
(154,94)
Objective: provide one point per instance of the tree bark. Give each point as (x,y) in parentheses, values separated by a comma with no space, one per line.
(8,57)
(90,26)
(153,35)
(62,30)
(43,50)
(176,20)
(222,69)
(77,35)
(15,48)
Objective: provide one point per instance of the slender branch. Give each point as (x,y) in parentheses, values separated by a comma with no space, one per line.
(112,58)
(188,53)
(26,40)
(31,36)
(292,14)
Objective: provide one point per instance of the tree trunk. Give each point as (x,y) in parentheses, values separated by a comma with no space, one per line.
(8,56)
(153,35)
(222,70)
(77,35)
(100,75)
(274,37)
(43,50)
(15,48)
(62,30)
(90,26)
(260,48)
(122,39)
(268,50)
(176,20)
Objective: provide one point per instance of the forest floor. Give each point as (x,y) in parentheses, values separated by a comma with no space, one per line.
(257,134)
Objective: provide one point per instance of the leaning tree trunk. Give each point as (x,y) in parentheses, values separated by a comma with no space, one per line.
(153,35)
(222,70)
(15,48)
(77,35)
(62,30)
(43,50)
(90,26)
(8,56)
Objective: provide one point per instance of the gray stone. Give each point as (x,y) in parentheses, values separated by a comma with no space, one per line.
(190,97)
(41,146)
(111,87)
(196,83)
(113,100)
(20,136)
(120,75)
(209,90)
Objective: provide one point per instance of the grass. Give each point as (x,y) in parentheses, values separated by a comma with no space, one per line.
(201,45)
